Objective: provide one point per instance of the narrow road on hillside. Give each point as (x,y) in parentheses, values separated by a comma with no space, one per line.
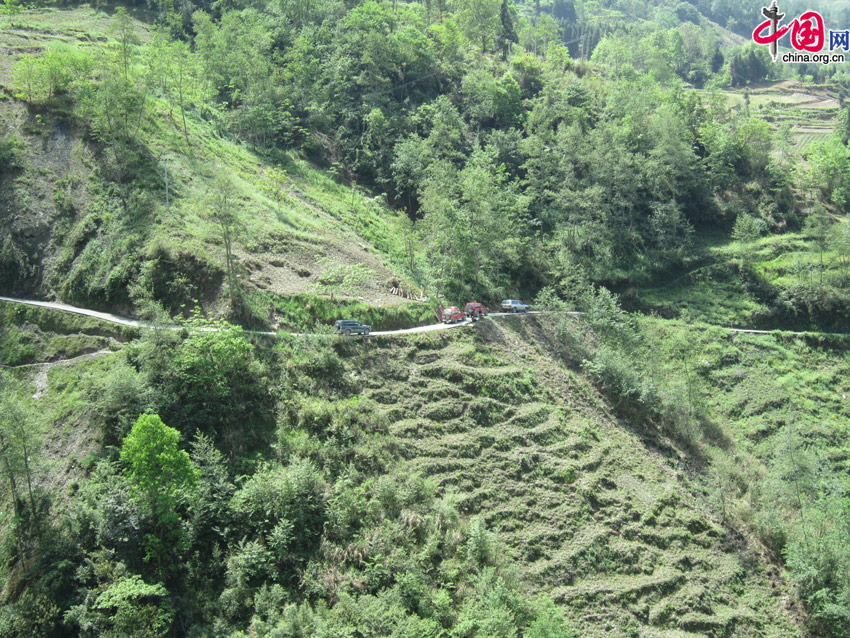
(137,323)
(105,316)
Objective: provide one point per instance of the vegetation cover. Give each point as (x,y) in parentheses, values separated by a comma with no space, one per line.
(281,164)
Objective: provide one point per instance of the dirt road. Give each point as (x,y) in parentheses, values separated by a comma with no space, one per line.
(137,323)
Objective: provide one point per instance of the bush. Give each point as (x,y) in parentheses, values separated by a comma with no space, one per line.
(40,78)
(624,381)
(11,154)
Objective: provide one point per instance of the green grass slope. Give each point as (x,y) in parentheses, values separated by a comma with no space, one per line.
(72,234)
(781,281)
(809,111)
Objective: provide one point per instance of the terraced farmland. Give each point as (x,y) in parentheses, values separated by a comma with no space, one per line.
(809,111)
(600,518)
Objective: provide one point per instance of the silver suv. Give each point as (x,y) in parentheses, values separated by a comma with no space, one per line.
(514,305)
(350,327)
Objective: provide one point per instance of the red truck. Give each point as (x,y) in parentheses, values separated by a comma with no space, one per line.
(452,314)
(475,310)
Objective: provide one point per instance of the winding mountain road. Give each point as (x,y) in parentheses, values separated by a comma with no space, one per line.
(138,323)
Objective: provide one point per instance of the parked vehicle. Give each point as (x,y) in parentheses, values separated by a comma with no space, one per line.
(475,310)
(452,314)
(514,305)
(350,327)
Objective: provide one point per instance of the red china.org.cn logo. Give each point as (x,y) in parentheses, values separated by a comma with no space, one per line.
(808,37)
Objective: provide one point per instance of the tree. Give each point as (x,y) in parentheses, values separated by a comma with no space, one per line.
(829,161)
(277,184)
(817,226)
(173,68)
(160,473)
(221,210)
(125,32)
(750,63)
(480,19)
(215,384)
(20,439)
(183,70)
(746,231)
(549,622)
(119,604)
(840,244)
(56,71)
(538,35)
(507,34)
(115,109)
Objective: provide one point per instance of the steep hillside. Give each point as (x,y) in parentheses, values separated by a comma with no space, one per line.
(81,228)
(603,515)
(596,513)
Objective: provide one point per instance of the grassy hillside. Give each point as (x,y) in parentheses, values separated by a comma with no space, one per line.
(77,232)
(809,111)
(785,281)
(597,515)
(782,400)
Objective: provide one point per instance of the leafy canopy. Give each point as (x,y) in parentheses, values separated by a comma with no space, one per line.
(158,468)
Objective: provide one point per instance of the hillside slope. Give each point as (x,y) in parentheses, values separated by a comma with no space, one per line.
(78,231)
(606,518)
(595,513)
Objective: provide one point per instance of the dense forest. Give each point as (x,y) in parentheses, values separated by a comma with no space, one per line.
(226,483)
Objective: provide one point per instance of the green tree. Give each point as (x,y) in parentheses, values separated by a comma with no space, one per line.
(183,74)
(549,622)
(161,473)
(115,109)
(119,604)
(277,184)
(221,209)
(214,385)
(124,30)
(174,70)
(750,63)
(57,71)
(538,35)
(840,244)
(507,34)
(829,163)
(746,232)
(20,450)
(480,19)
(818,226)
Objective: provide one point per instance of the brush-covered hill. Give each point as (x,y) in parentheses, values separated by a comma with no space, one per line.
(283,164)
(475,482)
(239,157)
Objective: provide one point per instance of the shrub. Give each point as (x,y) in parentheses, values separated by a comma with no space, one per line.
(11,154)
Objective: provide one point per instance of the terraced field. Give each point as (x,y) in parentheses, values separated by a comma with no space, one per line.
(809,111)
(602,516)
